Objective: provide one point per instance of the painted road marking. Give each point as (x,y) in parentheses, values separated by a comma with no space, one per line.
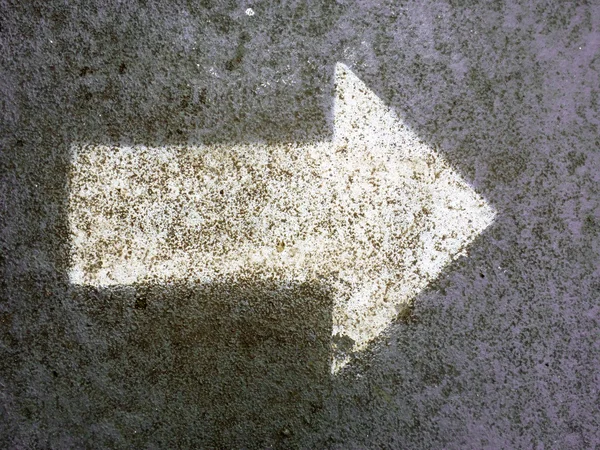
(374,213)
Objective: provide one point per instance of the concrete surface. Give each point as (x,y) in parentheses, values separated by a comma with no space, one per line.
(501,350)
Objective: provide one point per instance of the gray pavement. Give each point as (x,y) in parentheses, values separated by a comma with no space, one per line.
(501,350)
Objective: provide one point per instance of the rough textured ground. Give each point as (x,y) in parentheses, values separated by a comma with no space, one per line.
(502,350)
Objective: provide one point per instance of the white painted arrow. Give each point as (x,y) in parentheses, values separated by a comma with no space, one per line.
(375,213)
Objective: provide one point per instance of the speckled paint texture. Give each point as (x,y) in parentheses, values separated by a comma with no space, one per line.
(501,349)
(374,214)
